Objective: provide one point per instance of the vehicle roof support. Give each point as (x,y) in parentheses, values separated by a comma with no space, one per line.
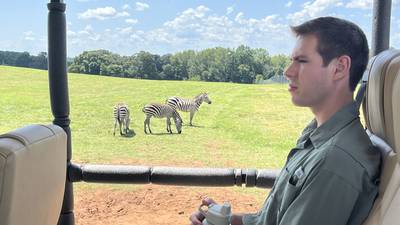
(58,85)
(380,26)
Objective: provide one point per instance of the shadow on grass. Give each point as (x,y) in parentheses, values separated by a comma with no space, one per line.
(197,126)
(130,134)
(158,134)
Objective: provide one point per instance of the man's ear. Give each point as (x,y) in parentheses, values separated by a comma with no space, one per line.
(342,68)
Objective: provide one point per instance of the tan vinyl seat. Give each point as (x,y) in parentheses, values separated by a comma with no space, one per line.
(32,175)
(383,121)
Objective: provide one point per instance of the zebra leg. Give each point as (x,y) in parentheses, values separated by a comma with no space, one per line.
(191,117)
(146,121)
(115,126)
(147,124)
(169,125)
(120,127)
(125,127)
(128,130)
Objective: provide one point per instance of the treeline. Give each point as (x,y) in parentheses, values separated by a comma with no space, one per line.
(240,65)
(24,59)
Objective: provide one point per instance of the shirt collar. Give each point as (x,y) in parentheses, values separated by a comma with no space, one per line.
(339,120)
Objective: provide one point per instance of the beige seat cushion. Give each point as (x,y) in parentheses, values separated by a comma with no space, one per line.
(383,111)
(32,175)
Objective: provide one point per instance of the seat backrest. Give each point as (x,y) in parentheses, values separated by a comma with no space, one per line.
(382,116)
(32,175)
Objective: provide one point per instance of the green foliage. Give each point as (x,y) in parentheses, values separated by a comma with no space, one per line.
(23,59)
(240,65)
(279,64)
(246,126)
(259,78)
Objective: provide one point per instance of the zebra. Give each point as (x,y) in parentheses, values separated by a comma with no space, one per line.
(161,111)
(121,116)
(188,105)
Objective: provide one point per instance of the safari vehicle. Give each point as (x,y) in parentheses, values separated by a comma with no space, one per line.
(31,153)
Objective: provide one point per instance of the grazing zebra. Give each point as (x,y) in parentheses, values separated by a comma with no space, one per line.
(188,105)
(121,116)
(161,111)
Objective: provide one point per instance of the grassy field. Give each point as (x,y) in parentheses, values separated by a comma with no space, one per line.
(246,126)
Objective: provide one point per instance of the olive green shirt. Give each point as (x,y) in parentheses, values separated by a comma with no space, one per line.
(330,177)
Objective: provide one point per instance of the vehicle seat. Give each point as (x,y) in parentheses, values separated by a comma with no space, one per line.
(382,115)
(32,175)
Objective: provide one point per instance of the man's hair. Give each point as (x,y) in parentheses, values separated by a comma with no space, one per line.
(337,37)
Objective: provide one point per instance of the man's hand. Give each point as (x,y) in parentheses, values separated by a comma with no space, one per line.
(196,218)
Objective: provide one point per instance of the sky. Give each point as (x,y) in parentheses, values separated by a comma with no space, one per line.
(126,27)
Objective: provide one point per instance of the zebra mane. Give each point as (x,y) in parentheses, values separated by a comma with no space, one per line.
(199,95)
(176,115)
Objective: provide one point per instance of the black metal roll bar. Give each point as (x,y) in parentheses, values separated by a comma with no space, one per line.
(184,176)
(57,59)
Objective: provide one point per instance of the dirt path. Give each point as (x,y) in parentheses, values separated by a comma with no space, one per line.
(152,204)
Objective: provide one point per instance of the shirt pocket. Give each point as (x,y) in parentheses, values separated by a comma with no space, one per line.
(292,187)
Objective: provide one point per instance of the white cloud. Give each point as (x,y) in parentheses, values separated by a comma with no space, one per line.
(131,21)
(102,13)
(29,35)
(289,4)
(194,28)
(126,30)
(140,6)
(239,17)
(229,10)
(126,7)
(360,4)
(122,14)
(313,9)
(188,18)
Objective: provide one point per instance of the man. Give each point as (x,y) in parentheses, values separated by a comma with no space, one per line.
(330,177)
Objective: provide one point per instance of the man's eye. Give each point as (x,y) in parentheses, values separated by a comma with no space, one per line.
(302,61)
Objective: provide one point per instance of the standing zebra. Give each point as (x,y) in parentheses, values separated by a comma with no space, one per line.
(188,105)
(121,116)
(161,111)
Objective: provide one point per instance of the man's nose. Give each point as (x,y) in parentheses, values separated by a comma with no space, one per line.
(289,72)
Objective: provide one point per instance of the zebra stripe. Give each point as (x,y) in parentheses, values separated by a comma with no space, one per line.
(121,116)
(188,105)
(162,111)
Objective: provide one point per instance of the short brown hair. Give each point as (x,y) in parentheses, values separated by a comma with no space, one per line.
(337,37)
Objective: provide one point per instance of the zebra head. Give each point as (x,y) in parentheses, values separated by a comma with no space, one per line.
(204,97)
(178,121)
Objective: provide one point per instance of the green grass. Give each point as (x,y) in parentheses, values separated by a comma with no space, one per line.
(246,126)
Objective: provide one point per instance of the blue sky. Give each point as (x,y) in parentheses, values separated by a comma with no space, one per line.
(168,26)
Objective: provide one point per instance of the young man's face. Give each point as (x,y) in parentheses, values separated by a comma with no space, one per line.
(310,83)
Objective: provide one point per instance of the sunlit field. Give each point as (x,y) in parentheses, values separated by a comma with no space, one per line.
(245,126)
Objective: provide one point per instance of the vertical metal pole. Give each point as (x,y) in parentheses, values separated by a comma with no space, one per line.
(381,26)
(58,83)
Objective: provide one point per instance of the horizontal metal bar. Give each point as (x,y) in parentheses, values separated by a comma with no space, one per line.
(182,176)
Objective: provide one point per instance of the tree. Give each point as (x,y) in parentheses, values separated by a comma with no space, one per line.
(24,60)
(146,65)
